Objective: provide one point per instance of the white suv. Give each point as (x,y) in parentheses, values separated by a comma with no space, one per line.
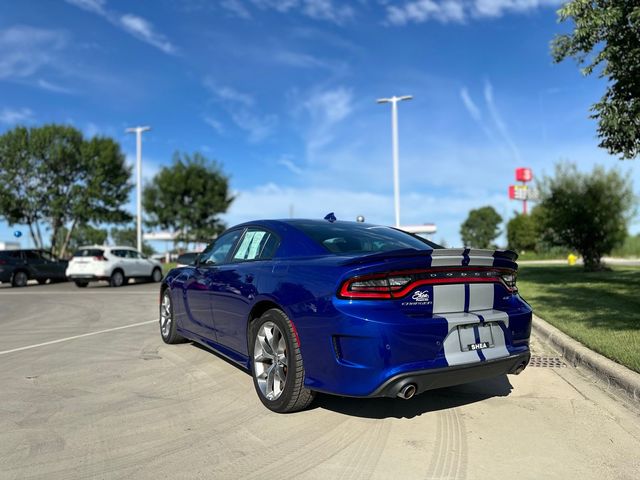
(114,264)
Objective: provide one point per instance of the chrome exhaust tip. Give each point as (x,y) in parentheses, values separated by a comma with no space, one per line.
(407,391)
(520,368)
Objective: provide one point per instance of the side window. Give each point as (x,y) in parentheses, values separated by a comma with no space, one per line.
(219,250)
(256,245)
(119,253)
(32,256)
(48,257)
(132,254)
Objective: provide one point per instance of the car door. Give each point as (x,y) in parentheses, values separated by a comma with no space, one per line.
(199,287)
(234,286)
(54,267)
(35,264)
(130,263)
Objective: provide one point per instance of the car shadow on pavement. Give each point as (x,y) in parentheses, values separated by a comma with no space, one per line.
(430,401)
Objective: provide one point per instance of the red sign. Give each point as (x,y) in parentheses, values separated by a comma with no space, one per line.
(524,174)
(518,192)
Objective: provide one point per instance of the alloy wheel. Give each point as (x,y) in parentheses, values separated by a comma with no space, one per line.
(270,360)
(165,315)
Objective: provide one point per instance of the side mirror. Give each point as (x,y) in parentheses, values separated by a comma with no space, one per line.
(189,259)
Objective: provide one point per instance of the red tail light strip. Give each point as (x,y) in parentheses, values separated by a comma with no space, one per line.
(384,289)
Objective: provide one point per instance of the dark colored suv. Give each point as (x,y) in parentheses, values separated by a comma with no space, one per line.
(20,266)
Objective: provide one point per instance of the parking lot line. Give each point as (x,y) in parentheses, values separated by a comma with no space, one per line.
(29,347)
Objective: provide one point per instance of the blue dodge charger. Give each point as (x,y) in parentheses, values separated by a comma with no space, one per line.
(349,309)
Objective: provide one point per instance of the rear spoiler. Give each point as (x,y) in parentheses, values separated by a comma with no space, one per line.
(444,257)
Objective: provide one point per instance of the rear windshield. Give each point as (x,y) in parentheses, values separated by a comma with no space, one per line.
(361,238)
(89,252)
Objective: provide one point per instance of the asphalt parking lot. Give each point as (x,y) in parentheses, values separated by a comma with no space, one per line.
(89,390)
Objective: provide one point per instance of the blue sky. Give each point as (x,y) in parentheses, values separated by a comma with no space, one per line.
(282,93)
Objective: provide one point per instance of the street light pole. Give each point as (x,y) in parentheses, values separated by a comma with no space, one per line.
(138,131)
(394,139)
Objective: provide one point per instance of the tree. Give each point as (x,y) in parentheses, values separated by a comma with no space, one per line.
(606,35)
(129,237)
(82,235)
(586,212)
(481,227)
(188,197)
(50,176)
(523,231)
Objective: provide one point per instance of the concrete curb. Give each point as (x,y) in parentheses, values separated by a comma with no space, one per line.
(613,375)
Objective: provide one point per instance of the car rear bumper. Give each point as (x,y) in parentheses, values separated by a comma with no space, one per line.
(6,274)
(86,277)
(425,380)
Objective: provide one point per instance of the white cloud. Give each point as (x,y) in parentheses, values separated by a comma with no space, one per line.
(471,107)
(317,9)
(213,123)
(326,109)
(143,30)
(499,123)
(241,109)
(25,50)
(330,106)
(53,87)
(300,60)
(290,165)
(236,7)
(459,11)
(10,116)
(135,25)
(95,6)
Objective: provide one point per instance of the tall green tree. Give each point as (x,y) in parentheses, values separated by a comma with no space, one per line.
(587,212)
(481,227)
(188,197)
(50,176)
(82,235)
(606,34)
(524,231)
(128,237)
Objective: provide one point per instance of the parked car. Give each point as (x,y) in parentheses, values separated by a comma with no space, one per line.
(20,266)
(350,309)
(114,264)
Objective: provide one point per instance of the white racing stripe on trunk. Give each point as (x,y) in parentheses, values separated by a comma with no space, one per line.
(448,298)
(480,296)
(499,350)
(448,261)
(480,261)
(481,252)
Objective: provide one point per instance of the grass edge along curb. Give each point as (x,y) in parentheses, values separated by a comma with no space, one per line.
(615,376)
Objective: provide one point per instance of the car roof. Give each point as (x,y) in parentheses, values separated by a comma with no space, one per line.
(109,247)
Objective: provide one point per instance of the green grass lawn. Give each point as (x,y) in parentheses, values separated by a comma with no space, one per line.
(168,266)
(599,309)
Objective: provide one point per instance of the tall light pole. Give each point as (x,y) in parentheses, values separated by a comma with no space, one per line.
(138,131)
(394,138)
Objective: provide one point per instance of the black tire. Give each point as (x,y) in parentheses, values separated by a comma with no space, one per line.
(19,279)
(42,281)
(81,283)
(294,396)
(117,278)
(168,332)
(156,275)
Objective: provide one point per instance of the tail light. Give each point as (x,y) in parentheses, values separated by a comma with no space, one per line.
(399,284)
(101,258)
